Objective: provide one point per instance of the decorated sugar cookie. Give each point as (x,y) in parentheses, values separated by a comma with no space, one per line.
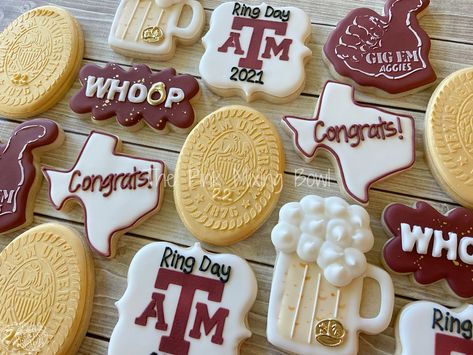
(256,51)
(137,95)
(229,175)
(386,54)
(318,280)
(149,29)
(184,301)
(431,246)
(40,55)
(19,175)
(46,292)
(449,136)
(117,191)
(366,143)
(430,328)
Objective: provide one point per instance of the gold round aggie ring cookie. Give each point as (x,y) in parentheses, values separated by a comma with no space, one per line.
(40,55)
(449,136)
(229,175)
(46,292)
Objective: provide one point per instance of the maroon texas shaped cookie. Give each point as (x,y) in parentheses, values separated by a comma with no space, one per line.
(388,53)
(135,95)
(19,172)
(430,245)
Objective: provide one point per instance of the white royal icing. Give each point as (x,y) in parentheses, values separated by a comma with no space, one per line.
(386,147)
(129,189)
(256,50)
(154,316)
(430,328)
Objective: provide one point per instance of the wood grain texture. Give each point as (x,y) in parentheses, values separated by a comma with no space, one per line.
(449,24)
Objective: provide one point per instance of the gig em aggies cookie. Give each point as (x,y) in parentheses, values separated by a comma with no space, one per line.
(149,29)
(116,191)
(318,280)
(20,177)
(431,246)
(366,143)
(40,54)
(184,301)
(229,175)
(430,328)
(161,99)
(387,54)
(449,136)
(46,292)
(256,51)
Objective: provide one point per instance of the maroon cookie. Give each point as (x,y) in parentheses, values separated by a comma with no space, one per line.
(431,245)
(18,171)
(135,94)
(390,52)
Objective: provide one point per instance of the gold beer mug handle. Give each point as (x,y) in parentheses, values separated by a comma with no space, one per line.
(159,88)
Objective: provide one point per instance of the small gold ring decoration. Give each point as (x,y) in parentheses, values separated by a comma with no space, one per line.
(159,88)
(154,34)
(330,332)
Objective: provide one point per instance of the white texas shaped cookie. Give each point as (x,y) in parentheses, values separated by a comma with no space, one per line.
(117,191)
(367,143)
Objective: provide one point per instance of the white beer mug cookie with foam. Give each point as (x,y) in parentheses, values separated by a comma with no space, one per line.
(318,281)
(149,29)
(256,51)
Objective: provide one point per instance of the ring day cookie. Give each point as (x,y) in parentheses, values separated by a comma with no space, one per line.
(46,292)
(116,191)
(229,175)
(184,301)
(319,278)
(256,51)
(40,55)
(449,136)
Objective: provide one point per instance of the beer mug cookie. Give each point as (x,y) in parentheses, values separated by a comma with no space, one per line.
(318,281)
(388,54)
(149,29)
(256,51)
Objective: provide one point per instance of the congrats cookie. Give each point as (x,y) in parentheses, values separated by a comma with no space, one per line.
(229,175)
(20,177)
(256,51)
(40,54)
(386,54)
(149,29)
(449,136)
(46,292)
(117,191)
(137,95)
(184,301)
(366,143)
(319,278)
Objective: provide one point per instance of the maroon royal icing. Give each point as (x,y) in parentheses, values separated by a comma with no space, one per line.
(388,52)
(124,101)
(18,171)
(425,267)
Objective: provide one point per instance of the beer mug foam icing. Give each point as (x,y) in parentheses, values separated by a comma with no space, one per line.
(318,281)
(149,29)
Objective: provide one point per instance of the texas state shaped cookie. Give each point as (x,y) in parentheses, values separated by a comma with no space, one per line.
(256,51)
(116,191)
(184,301)
(431,246)
(40,55)
(149,29)
(366,143)
(449,136)
(20,177)
(430,328)
(319,278)
(386,54)
(137,95)
(46,292)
